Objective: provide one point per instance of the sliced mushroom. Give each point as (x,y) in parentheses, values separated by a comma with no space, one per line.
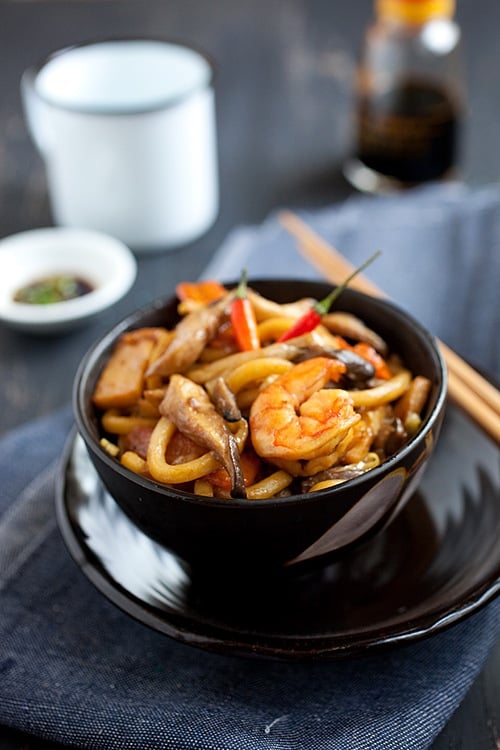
(189,407)
(192,333)
(338,474)
(351,327)
(224,399)
(358,369)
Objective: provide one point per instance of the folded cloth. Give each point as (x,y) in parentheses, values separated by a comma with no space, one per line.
(440,258)
(76,670)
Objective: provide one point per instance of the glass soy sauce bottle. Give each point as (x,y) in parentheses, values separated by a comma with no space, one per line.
(409,97)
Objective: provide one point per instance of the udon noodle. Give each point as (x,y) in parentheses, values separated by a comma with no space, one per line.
(186,407)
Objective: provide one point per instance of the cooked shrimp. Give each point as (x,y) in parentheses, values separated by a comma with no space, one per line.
(297,419)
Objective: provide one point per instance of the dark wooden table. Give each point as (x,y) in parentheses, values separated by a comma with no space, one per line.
(283,90)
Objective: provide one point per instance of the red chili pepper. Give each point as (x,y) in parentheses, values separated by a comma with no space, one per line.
(312,318)
(243,318)
(304,324)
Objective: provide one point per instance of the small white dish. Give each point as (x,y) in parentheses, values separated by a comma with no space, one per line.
(103,261)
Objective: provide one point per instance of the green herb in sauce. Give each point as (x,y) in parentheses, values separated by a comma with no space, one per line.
(52,289)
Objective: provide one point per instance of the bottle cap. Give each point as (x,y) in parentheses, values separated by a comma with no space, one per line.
(415,11)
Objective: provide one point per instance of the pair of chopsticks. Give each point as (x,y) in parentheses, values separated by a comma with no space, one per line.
(466,388)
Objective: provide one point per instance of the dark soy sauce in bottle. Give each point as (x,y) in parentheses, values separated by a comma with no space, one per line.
(409,101)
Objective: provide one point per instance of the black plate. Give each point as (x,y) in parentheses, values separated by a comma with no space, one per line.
(438,562)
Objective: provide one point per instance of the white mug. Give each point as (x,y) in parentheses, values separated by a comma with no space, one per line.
(127,131)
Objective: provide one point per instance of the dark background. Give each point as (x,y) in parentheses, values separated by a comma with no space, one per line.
(284,88)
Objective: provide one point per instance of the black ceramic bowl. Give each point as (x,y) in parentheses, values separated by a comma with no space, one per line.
(276,534)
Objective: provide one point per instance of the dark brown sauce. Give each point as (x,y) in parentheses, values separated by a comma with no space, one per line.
(408,133)
(53,289)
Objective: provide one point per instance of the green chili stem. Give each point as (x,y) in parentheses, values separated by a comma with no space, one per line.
(325,304)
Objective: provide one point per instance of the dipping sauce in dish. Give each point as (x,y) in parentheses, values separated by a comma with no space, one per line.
(51,289)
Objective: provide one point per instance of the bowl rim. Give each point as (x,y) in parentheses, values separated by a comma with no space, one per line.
(165,103)
(128,323)
(48,249)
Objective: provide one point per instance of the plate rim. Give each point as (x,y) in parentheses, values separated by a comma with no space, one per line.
(186,629)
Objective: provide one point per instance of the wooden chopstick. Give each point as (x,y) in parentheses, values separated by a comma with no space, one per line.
(466,387)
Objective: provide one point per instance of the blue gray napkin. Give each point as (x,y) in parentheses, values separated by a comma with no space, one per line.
(440,258)
(75,669)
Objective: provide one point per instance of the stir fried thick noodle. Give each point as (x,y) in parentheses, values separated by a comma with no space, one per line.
(208,409)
